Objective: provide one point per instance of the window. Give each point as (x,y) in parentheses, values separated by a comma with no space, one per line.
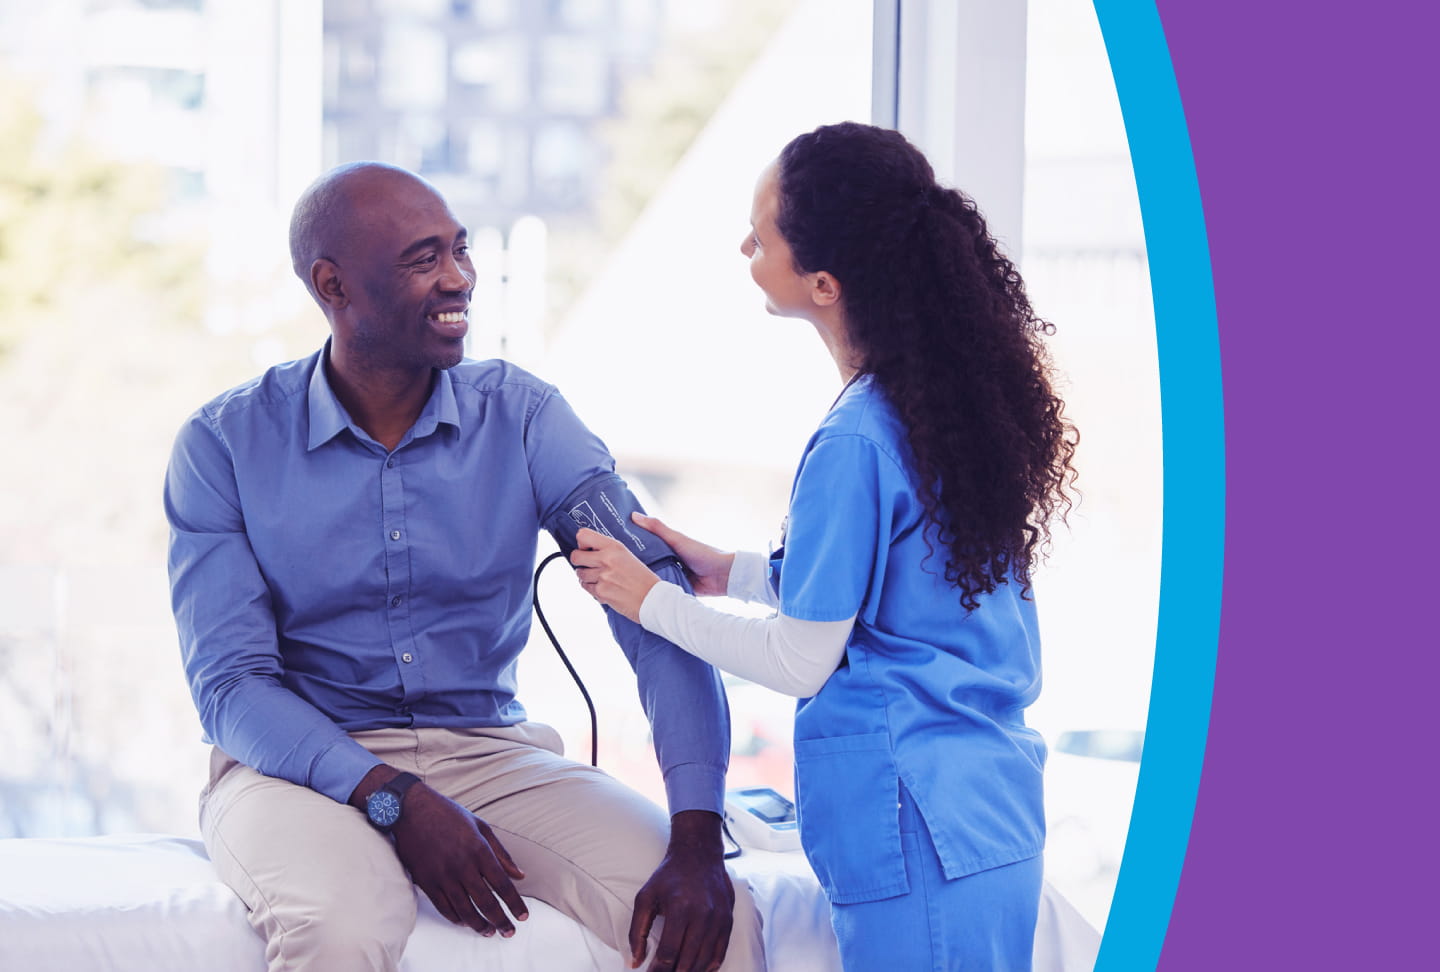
(413,67)
(574,76)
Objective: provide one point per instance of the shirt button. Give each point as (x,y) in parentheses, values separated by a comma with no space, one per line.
(389,463)
(407,658)
(394,534)
(395,601)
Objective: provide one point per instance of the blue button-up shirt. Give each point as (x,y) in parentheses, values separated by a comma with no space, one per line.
(322,584)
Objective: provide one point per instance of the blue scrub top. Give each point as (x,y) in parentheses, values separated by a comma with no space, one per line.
(927,696)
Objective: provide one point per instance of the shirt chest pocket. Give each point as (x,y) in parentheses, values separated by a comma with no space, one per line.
(848,791)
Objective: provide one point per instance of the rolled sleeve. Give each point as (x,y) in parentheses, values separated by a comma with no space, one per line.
(750,579)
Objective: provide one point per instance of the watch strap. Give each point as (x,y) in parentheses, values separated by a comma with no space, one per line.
(400,783)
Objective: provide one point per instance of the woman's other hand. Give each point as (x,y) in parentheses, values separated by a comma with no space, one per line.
(708,569)
(610,573)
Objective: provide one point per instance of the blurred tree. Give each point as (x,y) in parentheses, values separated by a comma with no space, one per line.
(661,114)
(99,296)
(103,352)
(70,218)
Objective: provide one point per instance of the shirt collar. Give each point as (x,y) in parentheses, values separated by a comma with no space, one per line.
(328,418)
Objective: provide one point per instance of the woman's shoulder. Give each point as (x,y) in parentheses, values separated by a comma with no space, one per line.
(863,409)
(863,415)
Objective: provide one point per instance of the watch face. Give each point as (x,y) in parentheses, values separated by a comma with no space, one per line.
(383,808)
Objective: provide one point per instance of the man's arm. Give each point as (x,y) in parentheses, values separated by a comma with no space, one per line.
(226,624)
(682,697)
(575,486)
(231,653)
(684,701)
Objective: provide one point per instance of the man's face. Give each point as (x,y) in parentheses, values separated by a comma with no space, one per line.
(408,273)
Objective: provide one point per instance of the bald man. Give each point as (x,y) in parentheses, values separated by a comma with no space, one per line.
(352,536)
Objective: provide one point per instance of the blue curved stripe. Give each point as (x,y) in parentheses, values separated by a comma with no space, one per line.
(1194,481)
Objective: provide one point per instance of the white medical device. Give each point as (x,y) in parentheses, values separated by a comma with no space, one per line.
(763,819)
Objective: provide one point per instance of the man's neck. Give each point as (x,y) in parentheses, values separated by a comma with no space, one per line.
(385,403)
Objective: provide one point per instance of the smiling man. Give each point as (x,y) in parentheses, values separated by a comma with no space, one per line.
(352,536)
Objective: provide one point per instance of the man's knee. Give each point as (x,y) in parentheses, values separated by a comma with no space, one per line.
(324,889)
(353,930)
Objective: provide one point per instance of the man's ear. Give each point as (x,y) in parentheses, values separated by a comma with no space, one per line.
(824,289)
(326,283)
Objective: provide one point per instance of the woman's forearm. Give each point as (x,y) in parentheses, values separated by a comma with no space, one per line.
(786,654)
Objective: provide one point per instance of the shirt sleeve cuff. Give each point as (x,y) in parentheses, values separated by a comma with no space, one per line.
(750,579)
(339,769)
(695,786)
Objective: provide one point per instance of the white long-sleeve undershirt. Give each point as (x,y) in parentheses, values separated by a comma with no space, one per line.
(750,580)
(786,654)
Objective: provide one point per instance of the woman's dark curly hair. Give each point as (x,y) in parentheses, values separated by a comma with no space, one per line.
(939,316)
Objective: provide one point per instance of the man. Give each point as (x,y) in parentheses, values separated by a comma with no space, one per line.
(352,536)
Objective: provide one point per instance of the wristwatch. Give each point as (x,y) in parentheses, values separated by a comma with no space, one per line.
(383,807)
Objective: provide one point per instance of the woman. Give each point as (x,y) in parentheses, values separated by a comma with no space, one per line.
(905,624)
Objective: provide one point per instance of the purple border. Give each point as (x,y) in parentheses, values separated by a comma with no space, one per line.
(1313,128)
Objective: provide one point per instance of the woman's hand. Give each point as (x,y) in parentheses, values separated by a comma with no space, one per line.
(610,573)
(708,569)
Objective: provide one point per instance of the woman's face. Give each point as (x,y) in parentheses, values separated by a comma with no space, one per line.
(787,291)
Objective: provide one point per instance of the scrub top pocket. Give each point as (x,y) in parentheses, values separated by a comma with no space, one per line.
(848,792)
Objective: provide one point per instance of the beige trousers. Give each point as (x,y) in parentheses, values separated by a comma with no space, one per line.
(327,892)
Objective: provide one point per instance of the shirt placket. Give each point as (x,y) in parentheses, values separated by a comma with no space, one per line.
(399,583)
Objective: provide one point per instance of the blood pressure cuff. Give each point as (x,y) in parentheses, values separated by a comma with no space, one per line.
(604,504)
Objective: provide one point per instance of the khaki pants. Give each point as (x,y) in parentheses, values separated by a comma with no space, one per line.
(327,892)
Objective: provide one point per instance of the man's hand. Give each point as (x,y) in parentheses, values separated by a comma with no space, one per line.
(692,890)
(453,856)
(708,569)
